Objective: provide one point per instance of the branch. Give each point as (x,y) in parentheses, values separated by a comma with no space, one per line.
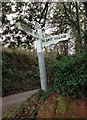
(85,5)
(45,15)
(72,21)
(77,15)
(46,8)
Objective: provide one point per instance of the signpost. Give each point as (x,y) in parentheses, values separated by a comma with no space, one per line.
(40,53)
(41,60)
(54,39)
(26,29)
(42,42)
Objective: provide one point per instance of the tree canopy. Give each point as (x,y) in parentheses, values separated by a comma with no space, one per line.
(60,17)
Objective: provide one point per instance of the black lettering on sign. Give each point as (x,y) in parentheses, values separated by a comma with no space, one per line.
(55,38)
(63,36)
(48,39)
(43,40)
(51,39)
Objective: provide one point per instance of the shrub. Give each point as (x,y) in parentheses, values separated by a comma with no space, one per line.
(71,75)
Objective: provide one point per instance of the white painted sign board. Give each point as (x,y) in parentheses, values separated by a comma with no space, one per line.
(55,39)
(26,29)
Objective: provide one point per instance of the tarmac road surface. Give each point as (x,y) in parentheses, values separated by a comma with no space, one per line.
(9,102)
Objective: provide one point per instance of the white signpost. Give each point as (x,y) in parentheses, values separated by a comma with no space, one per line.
(40,53)
(55,39)
(41,60)
(42,42)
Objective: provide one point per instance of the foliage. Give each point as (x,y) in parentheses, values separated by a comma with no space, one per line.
(50,60)
(85,36)
(44,96)
(67,17)
(71,75)
(59,18)
(19,72)
(70,79)
(30,107)
(64,16)
(25,12)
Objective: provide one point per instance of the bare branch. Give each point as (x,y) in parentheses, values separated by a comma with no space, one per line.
(45,9)
(72,21)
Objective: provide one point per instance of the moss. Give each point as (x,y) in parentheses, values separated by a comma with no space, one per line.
(71,107)
(42,109)
(62,105)
(53,107)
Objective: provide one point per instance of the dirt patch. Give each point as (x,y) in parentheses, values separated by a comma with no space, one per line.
(62,107)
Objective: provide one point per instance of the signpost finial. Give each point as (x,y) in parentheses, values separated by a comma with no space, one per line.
(37,25)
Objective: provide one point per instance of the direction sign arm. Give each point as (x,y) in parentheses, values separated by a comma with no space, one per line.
(26,29)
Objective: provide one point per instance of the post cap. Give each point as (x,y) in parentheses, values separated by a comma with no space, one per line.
(37,25)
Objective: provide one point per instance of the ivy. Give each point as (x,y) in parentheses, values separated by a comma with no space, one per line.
(71,75)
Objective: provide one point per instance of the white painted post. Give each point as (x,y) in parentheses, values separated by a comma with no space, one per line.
(41,60)
(39,50)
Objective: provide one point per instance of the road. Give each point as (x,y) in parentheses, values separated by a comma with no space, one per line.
(9,102)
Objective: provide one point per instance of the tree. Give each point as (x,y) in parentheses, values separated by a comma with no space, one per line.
(26,13)
(68,17)
(59,17)
(85,6)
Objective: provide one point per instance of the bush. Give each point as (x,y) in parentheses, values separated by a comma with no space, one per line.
(19,72)
(71,75)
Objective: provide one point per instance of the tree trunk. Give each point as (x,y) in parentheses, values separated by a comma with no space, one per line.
(78,23)
(65,43)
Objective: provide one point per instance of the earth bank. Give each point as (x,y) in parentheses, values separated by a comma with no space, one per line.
(62,107)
